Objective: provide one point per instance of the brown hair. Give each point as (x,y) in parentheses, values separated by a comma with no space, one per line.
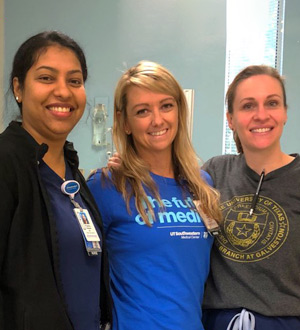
(30,50)
(249,71)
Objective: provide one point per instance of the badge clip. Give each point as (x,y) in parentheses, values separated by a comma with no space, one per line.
(211,224)
(89,234)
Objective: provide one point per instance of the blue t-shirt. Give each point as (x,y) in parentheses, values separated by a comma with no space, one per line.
(80,273)
(157,273)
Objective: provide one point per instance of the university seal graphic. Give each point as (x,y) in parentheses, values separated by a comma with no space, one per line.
(246,238)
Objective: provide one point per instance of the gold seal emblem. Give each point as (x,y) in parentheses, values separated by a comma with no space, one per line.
(246,238)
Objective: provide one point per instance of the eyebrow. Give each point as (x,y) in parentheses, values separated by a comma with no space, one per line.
(147,104)
(54,70)
(253,98)
(272,95)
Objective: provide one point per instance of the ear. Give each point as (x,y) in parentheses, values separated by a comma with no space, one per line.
(126,125)
(17,90)
(127,128)
(230,121)
(286,116)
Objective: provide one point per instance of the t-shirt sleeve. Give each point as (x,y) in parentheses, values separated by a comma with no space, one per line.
(209,167)
(101,194)
(207,178)
(206,166)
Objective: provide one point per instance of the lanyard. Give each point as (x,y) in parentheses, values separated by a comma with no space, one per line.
(211,225)
(90,236)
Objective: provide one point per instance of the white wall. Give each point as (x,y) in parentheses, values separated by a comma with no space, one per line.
(188,37)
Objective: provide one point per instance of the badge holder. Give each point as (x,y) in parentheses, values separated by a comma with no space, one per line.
(211,224)
(90,236)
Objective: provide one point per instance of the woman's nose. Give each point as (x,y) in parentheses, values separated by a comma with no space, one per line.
(157,118)
(62,89)
(261,113)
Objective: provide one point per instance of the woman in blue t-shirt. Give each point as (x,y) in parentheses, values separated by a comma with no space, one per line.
(158,245)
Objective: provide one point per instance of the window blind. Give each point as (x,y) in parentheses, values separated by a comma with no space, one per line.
(254,35)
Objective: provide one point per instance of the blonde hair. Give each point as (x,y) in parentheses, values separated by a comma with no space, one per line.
(134,172)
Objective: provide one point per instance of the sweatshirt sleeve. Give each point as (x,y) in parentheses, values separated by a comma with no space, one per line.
(8,204)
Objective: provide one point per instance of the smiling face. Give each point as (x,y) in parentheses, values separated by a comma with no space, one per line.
(53,95)
(259,113)
(152,119)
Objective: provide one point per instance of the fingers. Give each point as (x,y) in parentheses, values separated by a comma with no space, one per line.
(114,161)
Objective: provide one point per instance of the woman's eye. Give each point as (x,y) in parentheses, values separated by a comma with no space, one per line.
(167,106)
(46,79)
(273,103)
(248,106)
(142,112)
(76,82)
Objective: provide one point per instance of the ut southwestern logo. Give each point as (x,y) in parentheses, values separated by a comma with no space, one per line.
(174,216)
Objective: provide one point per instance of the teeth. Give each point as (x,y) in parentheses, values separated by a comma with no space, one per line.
(158,133)
(60,109)
(261,130)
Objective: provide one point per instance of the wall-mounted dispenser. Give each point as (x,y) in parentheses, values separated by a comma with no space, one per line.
(99,125)
(110,143)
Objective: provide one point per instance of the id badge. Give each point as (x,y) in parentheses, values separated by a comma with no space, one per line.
(88,230)
(211,224)
(86,225)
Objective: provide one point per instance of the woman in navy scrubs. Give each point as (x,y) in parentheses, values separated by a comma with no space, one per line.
(53,266)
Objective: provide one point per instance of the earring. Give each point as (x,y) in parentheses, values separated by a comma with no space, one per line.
(127,132)
(17,98)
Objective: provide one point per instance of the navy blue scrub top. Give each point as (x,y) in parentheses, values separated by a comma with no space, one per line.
(80,273)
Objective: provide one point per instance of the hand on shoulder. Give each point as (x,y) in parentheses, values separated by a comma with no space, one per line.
(114,161)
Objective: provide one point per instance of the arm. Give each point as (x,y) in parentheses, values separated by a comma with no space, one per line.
(7,206)
(100,192)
